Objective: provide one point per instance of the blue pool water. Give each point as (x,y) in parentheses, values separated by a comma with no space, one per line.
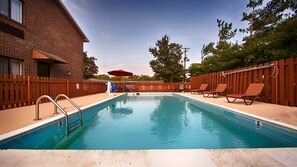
(156,122)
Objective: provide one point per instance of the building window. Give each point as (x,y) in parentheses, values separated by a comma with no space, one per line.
(12,9)
(4,7)
(11,66)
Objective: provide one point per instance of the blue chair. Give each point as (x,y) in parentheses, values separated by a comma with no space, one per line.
(113,88)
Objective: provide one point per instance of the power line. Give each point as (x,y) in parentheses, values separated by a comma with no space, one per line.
(211,31)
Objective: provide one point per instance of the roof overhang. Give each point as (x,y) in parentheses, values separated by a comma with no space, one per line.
(71,19)
(44,56)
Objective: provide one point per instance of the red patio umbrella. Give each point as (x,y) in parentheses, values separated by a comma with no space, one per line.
(120,73)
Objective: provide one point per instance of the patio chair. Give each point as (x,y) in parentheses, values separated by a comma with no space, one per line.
(252,93)
(200,90)
(113,88)
(221,88)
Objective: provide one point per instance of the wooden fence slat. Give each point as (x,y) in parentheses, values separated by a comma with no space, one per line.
(291,81)
(286,83)
(11,94)
(281,79)
(254,74)
(267,88)
(6,89)
(23,90)
(244,81)
(295,66)
(24,95)
(17,91)
(273,86)
(29,90)
(249,77)
(239,81)
(1,92)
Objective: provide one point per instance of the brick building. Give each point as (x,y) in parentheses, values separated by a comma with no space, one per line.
(40,38)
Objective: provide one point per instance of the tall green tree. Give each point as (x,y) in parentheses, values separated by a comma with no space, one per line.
(89,67)
(225,31)
(195,69)
(167,62)
(220,55)
(102,77)
(252,18)
(272,35)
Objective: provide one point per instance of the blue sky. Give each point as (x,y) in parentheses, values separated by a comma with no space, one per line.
(121,31)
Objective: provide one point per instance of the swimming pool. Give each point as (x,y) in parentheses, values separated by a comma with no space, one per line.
(157,121)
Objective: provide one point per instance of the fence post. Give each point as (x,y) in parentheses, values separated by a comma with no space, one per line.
(88,87)
(29,90)
(67,87)
(276,84)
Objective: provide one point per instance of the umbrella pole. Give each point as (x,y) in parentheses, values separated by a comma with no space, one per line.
(121,84)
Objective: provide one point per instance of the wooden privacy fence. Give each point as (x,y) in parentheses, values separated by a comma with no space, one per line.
(280,78)
(152,86)
(16,91)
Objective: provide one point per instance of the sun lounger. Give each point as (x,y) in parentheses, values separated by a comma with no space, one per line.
(200,90)
(221,88)
(252,93)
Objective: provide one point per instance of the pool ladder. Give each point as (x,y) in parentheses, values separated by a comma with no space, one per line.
(69,127)
(129,89)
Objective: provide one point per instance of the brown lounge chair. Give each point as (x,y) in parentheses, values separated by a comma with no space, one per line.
(200,90)
(221,88)
(251,94)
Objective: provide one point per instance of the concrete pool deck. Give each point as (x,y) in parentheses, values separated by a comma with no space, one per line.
(12,119)
(272,157)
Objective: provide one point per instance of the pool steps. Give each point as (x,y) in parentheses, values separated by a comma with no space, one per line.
(69,127)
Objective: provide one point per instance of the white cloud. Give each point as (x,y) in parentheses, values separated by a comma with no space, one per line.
(127,65)
(106,35)
(75,7)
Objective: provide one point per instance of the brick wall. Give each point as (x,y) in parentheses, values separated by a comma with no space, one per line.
(46,28)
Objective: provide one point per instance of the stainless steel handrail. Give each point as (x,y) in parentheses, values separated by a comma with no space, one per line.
(79,110)
(56,106)
(129,89)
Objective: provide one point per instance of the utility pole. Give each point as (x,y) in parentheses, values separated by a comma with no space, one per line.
(185,59)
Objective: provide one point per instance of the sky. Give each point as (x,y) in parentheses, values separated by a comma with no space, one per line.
(122,31)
